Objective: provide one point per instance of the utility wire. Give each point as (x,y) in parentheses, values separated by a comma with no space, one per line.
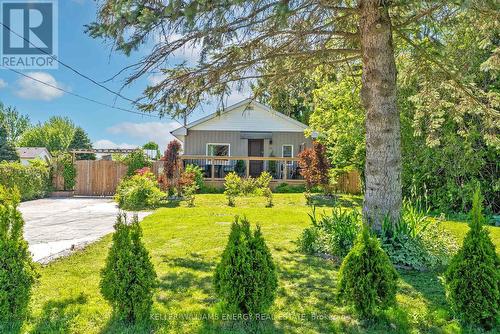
(80,96)
(68,66)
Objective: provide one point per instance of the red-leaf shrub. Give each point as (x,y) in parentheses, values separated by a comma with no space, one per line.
(314,165)
(171,166)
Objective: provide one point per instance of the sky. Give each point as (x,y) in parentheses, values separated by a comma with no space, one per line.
(107,128)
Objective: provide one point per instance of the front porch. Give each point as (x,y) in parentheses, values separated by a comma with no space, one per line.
(283,170)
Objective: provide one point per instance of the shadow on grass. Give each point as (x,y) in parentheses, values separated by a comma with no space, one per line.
(57,315)
(336,201)
(171,204)
(118,326)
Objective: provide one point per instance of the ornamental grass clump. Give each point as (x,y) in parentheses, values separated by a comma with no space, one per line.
(367,278)
(473,276)
(17,270)
(128,280)
(245,280)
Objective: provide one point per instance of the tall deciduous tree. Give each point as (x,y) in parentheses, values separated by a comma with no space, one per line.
(14,122)
(238,38)
(56,135)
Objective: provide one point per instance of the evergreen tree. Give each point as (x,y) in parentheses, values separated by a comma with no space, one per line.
(367,278)
(473,277)
(81,141)
(17,270)
(128,279)
(7,150)
(245,279)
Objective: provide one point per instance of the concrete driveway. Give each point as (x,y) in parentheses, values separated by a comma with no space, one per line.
(56,226)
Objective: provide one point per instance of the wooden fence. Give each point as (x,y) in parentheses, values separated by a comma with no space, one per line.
(101,177)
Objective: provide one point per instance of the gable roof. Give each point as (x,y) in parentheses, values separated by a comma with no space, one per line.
(229,119)
(32,152)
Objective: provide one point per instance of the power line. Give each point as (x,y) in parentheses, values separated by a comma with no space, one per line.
(80,96)
(69,67)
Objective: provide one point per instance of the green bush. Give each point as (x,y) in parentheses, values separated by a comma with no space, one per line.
(285,188)
(17,270)
(32,181)
(416,241)
(245,279)
(367,278)
(139,192)
(64,165)
(473,276)
(128,278)
(334,234)
(135,161)
(198,175)
(232,186)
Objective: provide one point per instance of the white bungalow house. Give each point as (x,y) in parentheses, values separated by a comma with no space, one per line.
(248,138)
(29,153)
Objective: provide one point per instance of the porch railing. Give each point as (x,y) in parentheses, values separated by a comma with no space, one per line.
(216,168)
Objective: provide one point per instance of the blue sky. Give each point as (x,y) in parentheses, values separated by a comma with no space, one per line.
(106,127)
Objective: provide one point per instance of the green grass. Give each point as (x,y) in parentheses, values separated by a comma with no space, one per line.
(185,245)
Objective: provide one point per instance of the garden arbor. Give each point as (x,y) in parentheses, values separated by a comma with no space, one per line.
(236,40)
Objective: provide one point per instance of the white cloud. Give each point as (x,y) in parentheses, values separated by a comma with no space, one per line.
(190,53)
(3,83)
(105,143)
(155,79)
(159,132)
(33,90)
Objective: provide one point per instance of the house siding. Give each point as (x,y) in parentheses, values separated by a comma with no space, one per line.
(196,141)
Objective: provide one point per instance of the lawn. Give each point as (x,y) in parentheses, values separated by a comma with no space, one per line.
(185,244)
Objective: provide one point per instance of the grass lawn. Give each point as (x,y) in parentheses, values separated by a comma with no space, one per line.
(185,244)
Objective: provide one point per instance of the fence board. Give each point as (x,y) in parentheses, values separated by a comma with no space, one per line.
(101,177)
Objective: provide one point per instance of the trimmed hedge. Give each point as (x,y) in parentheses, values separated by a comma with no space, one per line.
(32,181)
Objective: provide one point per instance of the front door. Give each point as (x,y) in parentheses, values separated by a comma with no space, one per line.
(256,149)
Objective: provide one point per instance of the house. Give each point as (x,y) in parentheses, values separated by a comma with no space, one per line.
(248,137)
(29,153)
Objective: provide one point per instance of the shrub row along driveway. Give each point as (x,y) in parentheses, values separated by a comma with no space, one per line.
(55,226)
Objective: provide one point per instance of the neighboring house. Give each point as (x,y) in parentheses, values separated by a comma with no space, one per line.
(246,129)
(29,153)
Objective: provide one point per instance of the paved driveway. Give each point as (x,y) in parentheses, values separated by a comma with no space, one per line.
(55,226)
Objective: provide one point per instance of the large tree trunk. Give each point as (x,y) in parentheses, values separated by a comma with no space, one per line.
(378,95)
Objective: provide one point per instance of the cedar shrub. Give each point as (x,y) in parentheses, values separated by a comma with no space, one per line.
(367,278)
(245,279)
(128,280)
(473,276)
(17,270)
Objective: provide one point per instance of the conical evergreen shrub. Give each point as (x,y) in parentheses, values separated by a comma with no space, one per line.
(245,279)
(128,279)
(17,270)
(473,276)
(367,278)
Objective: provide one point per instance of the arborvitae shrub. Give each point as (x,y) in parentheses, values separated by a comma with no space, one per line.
(17,270)
(473,276)
(128,279)
(367,278)
(245,279)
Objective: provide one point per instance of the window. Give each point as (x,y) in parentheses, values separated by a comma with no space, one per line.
(287,151)
(218,150)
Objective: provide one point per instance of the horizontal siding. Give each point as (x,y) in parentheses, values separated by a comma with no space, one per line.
(196,141)
(288,138)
